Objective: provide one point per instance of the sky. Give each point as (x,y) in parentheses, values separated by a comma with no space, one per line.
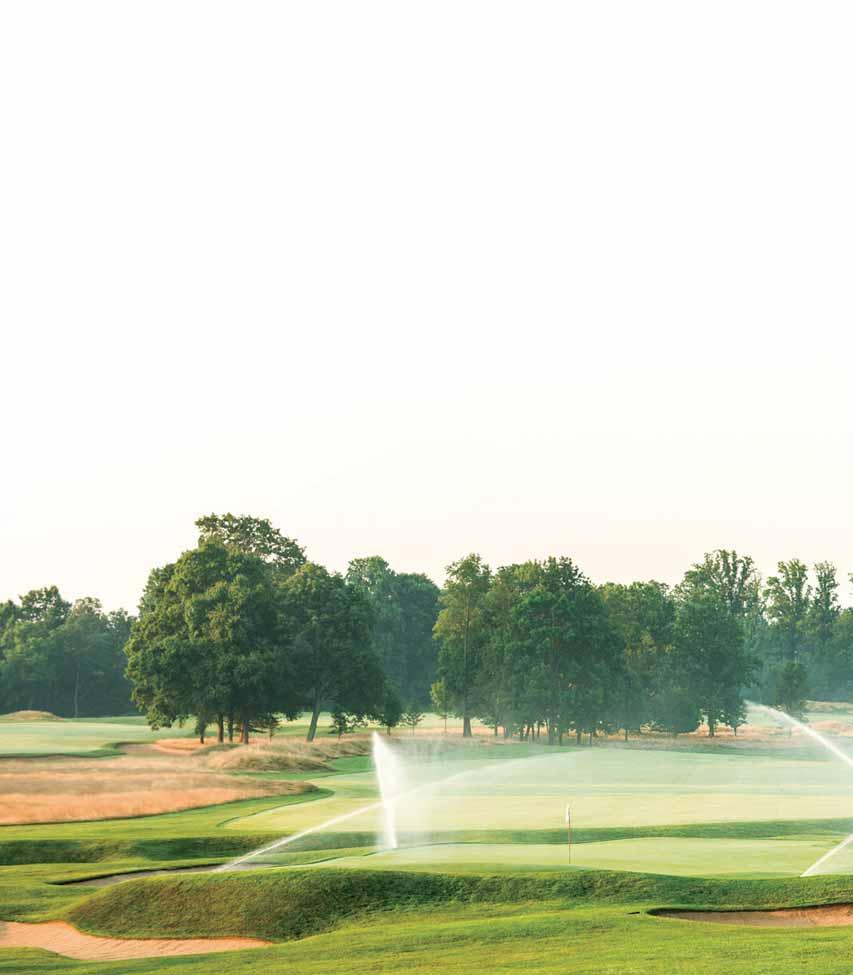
(421,279)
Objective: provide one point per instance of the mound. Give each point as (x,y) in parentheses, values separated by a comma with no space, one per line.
(63,939)
(295,756)
(30,716)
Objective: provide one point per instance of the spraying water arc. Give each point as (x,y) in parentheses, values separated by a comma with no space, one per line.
(389,767)
(833,749)
(392,783)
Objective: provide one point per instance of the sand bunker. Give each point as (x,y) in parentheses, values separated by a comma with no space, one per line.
(794,917)
(63,939)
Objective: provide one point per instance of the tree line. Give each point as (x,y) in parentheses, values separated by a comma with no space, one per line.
(242,629)
(537,649)
(63,658)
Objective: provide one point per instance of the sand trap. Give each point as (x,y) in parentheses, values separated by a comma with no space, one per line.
(63,939)
(794,917)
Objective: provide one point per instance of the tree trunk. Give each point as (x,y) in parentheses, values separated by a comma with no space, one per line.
(578,736)
(315,714)
(76,690)
(231,727)
(201,730)
(496,729)
(220,728)
(466,727)
(244,732)
(626,734)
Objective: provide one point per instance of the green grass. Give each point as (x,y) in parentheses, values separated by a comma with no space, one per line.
(493,891)
(84,737)
(328,921)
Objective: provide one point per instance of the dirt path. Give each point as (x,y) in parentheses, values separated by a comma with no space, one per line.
(63,939)
(795,917)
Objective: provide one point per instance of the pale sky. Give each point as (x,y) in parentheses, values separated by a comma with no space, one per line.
(419,279)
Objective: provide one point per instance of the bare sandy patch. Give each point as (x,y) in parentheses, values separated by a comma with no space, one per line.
(832,915)
(64,939)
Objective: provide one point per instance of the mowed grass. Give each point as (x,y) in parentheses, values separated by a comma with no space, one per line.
(86,737)
(495,895)
(351,921)
(94,737)
(605,786)
(679,856)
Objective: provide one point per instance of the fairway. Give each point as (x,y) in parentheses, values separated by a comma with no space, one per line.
(76,736)
(483,855)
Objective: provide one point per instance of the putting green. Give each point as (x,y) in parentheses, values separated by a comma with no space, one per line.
(605,788)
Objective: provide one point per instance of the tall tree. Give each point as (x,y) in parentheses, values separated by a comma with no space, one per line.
(821,622)
(209,642)
(253,536)
(644,615)
(711,653)
(405,607)
(461,631)
(60,658)
(336,665)
(573,647)
(788,603)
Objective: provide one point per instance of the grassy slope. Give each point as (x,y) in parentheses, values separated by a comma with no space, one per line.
(570,922)
(582,922)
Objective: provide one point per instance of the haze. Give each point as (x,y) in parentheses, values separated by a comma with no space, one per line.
(424,279)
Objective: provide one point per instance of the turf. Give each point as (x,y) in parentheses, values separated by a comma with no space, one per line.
(86,738)
(492,892)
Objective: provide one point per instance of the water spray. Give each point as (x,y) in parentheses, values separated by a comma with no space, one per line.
(831,747)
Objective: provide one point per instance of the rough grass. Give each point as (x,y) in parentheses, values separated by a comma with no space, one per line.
(30,716)
(286,755)
(137,784)
(293,904)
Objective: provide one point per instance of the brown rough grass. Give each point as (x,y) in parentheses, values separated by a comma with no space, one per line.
(30,716)
(285,755)
(141,782)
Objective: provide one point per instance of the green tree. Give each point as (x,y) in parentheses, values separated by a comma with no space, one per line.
(405,607)
(571,647)
(333,656)
(711,653)
(344,723)
(209,642)
(412,717)
(792,689)
(461,631)
(788,603)
(253,536)
(440,699)
(644,615)
(717,599)
(392,708)
(60,658)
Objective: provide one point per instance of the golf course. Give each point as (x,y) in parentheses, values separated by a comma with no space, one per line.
(482,873)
